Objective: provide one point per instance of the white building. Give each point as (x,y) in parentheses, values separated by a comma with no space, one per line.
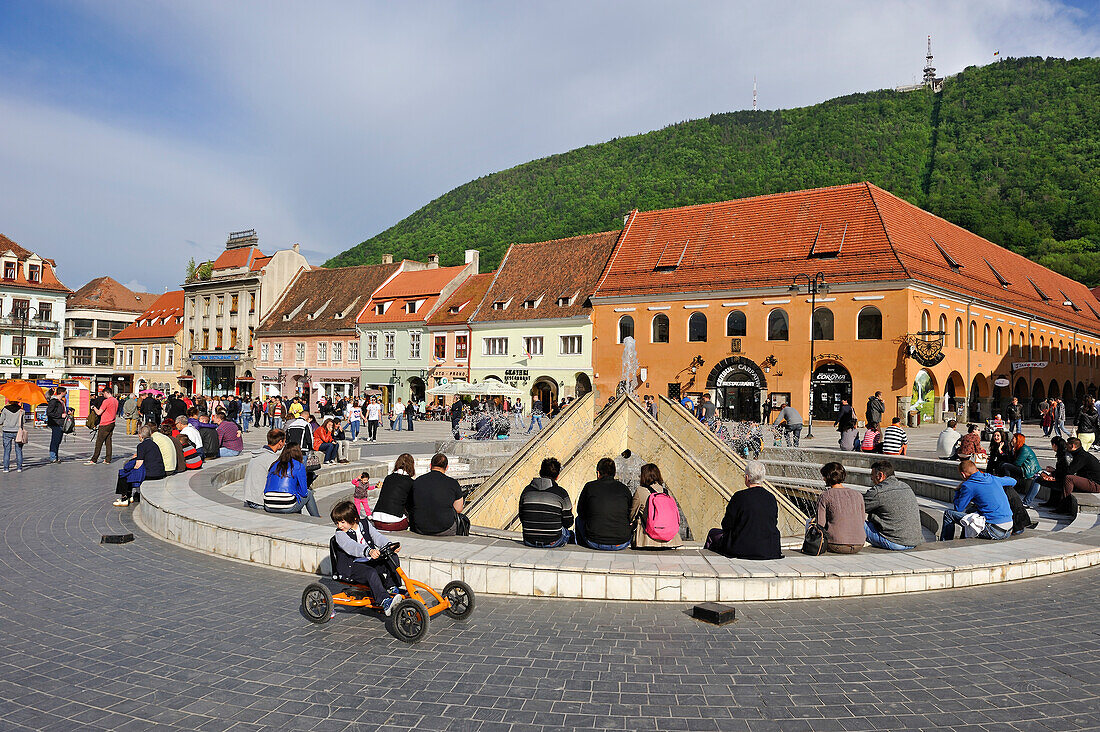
(95,314)
(32,309)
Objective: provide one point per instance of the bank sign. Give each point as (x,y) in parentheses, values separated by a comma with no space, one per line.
(19,361)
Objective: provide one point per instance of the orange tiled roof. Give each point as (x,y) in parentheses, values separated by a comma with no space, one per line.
(545,272)
(49,277)
(232,258)
(853,233)
(466,299)
(259,263)
(346,290)
(424,284)
(106,293)
(163,319)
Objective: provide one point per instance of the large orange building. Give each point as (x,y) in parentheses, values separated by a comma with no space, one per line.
(940,320)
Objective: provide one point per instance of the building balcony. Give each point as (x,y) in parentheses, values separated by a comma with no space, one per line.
(33,325)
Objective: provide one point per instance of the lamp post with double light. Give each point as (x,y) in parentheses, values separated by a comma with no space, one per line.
(814,284)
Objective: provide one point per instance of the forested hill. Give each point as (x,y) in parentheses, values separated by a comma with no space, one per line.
(1010,151)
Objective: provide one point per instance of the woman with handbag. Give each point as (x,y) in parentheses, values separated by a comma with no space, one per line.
(11,425)
(647,536)
(840,512)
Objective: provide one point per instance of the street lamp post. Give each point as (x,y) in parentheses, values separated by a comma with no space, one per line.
(814,284)
(23,337)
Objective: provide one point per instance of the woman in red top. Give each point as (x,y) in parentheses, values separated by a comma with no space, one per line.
(322,440)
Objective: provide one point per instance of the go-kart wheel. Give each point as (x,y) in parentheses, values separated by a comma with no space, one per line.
(461,599)
(317,603)
(408,621)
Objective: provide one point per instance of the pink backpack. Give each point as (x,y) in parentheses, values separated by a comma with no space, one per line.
(662,516)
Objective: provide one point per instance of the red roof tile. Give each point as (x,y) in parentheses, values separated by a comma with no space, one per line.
(544,272)
(49,277)
(346,290)
(865,234)
(232,258)
(105,293)
(163,319)
(465,299)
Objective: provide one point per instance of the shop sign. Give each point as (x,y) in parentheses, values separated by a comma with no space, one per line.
(926,347)
(1001,382)
(215,357)
(18,360)
(336,381)
(516,376)
(832,374)
(1029,365)
(270,379)
(738,376)
(828,357)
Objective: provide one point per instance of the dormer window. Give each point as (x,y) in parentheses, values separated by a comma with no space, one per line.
(453,310)
(34,273)
(412,306)
(563,302)
(532,303)
(380,308)
(9,270)
(499,305)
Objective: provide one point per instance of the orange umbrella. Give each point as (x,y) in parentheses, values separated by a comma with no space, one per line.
(18,390)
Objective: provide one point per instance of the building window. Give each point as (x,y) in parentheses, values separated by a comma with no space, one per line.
(337,351)
(9,270)
(697,328)
(823,324)
(532,345)
(495,347)
(985,339)
(414,344)
(972,336)
(120,357)
(129,356)
(104,356)
(626,328)
(251,302)
(77,356)
(205,339)
(34,273)
(156,357)
(659,328)
(144,357)
(322,351)
(353,350)
(191,338)
(263,352)
(277,354)
(19,346)
(299,351)
(1030,344)
(233,338)
(736,324)
(869,324)
(462,347)
(1011,341)
(233,304)
(380,309)
(251,337)
(570,345)
(108,328)
(777,325)
(999,340)
(81,327)
(372,345)
(440,347)
(170,356)
(958,333)
(44,347)
(221,305)
(390,345)
(411,306)
(45,311)
(218,333)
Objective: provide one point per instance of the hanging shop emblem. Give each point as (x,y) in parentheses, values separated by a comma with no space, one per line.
(926,347)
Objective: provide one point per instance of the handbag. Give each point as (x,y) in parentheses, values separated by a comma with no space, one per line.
(21,436)
(313,460)
(814,544)
(981,460)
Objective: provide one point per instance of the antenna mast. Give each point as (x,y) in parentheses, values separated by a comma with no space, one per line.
(929,69)
(754,92)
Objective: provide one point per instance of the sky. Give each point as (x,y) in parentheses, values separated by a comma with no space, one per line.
(137,135)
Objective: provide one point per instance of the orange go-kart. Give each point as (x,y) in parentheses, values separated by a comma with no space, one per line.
(408,619)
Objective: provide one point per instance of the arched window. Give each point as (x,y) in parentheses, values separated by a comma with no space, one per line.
(1000,340)
(777,325)
(823,324)
(972,336)
(926,320)
(869,324)
(697,328)
(660,328)
(958,333)
(1011,342)
(1043,354)
(736,323)
(1030,344)
(626,328)
(985,339)
(943,327)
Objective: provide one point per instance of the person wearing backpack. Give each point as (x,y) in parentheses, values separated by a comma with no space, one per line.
(659,522)
(55,419)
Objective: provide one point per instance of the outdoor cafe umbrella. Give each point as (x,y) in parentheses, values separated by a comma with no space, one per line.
(492,387)
(154,392)
(451,388)
(19,390)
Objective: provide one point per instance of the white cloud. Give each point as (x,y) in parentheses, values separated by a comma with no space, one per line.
(335,120)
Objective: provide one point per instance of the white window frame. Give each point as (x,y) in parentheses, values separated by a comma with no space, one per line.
(497,346)
(144,357)
(322,351)
(565,340)
(156,356)
(372,346)
(415,339)
(277,352)
(121,353)
(130,356)
(389,345)
(353,351)
(337,351)
(170,356)
(299,351)
(466,358)
(533,345)
(263,352)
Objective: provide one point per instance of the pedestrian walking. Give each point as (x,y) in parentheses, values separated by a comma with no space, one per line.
(875,408)
(56,411)
(130,413)
(791,422)
(108,413)
(14,434)
(536,415)
(1015,417)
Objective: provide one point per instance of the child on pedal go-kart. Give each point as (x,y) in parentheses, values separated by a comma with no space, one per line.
(358,555)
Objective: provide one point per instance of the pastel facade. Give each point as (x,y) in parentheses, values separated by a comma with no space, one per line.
(32,312)
(705,291)
(450,335)
(94,315)
(149,351)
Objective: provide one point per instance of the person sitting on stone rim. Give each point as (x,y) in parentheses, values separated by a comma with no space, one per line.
(893,517)
(603,511)
(840,512)
(436,502)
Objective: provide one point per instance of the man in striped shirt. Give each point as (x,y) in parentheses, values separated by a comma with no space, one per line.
(894,439)
(545,510)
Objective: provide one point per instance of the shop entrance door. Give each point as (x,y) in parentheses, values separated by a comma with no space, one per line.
(832,383)
(738,403)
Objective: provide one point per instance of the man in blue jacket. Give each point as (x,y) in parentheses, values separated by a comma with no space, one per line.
(987,494)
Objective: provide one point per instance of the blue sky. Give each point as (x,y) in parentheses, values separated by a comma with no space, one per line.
(138,134)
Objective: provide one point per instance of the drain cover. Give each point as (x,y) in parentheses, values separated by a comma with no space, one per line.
(116,538)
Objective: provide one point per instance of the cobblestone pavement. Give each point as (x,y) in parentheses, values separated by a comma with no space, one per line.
(147,634)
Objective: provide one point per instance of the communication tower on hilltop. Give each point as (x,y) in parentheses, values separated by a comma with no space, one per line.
(754,93)
(929,69)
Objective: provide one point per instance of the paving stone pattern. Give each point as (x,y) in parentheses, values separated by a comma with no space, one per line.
(150,635)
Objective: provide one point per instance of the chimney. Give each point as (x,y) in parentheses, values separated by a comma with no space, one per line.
(472,255)
(297,249)
(387,259)
(433,261)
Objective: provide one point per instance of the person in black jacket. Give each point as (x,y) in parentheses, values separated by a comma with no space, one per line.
(391,512)
(603,511)
(1082,473)
(150,410)
(750,528)
(545,510)
(55,416)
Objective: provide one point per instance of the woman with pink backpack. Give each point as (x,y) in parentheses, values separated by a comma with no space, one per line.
(659,522)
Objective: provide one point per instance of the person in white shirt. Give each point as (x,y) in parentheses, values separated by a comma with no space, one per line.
(398,415)
(374,418)
(354,417)
(192,432)
(948,441)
